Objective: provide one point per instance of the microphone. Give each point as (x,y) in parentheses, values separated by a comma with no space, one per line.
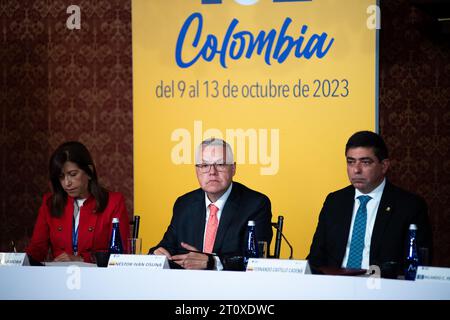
(136,220)
(13,246)
(279,226)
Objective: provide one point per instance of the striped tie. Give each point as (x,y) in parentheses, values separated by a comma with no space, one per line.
(358,234)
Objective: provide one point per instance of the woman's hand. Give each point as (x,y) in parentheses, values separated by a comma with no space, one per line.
(66,257)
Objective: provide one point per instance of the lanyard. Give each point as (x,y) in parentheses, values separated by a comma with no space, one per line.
(75,229)
(74,238)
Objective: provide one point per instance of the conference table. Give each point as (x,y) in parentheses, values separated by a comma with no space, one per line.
(93,283)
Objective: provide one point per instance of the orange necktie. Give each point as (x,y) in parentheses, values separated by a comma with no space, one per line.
(211,229)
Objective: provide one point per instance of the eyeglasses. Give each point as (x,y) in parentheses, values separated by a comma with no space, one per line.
(205,168)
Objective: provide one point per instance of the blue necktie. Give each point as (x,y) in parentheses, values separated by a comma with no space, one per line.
(358,234)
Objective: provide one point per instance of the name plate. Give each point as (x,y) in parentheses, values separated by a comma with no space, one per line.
(433,273)
(138,261)
(279,265)
(13,259)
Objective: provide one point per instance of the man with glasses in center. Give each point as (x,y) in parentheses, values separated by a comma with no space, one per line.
(213,218)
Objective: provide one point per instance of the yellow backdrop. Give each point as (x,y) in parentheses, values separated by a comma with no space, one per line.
(286,83)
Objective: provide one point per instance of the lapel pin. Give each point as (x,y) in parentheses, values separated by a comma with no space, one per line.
(90,229)
(388,209)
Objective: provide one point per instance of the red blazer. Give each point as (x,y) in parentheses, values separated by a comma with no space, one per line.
(94,229)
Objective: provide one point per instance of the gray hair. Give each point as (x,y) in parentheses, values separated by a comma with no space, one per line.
(213,142)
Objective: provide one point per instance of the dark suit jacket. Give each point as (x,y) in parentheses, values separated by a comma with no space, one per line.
(243,204)
(397,210)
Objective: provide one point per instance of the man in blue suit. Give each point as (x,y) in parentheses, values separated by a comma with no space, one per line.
(213,218)
(385,211)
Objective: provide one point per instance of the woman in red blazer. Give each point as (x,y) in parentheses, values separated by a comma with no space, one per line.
(76,219)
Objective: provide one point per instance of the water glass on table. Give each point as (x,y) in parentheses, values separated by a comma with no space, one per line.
(134,245)
(262,249)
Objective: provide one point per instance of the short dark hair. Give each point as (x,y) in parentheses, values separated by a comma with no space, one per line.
(368,139)
(75,152)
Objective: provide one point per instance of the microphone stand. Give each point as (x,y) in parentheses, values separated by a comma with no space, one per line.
(279,227)
(136,220)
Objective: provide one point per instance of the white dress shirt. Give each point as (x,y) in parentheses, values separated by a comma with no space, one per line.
(220,204)
(372,208)
(77,204)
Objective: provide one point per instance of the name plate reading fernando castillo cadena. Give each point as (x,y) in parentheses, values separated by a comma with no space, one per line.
(278,265)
